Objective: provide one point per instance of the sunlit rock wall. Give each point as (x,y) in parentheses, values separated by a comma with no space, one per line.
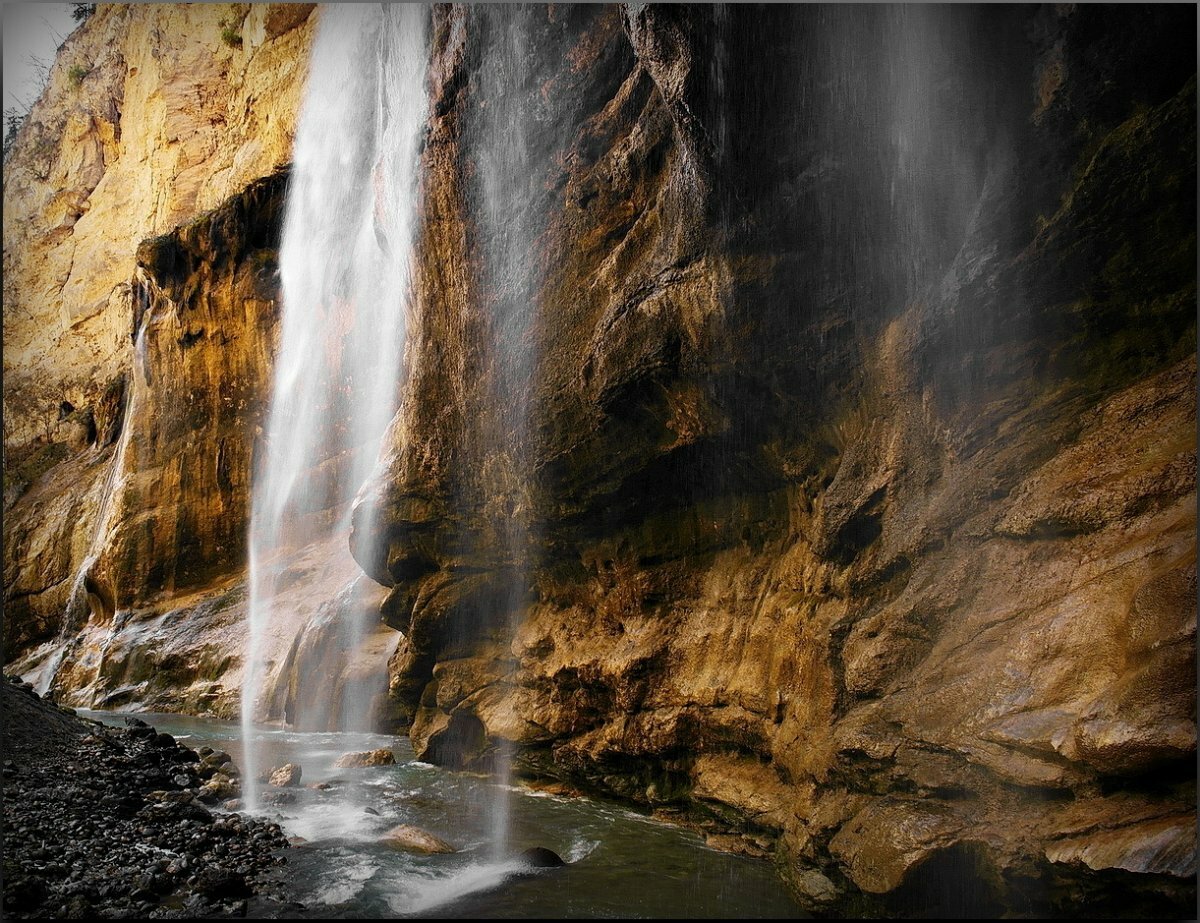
(127,471)
(799,422)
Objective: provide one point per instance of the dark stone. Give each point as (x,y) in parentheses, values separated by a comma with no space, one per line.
(217,883)
(23,893)
(541,858)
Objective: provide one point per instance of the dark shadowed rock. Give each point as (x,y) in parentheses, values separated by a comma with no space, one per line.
(538,857)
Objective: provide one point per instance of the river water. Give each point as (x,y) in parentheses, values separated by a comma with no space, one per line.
(622,864)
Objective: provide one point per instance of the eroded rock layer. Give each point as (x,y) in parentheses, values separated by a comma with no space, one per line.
(798,433)
(837,368)
(138,337)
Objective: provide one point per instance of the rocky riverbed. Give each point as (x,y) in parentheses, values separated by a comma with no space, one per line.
(110,822)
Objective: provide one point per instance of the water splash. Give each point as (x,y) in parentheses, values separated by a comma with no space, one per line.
(344,265)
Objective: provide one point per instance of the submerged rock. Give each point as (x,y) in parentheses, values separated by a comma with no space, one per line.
(414,839)
(357,760)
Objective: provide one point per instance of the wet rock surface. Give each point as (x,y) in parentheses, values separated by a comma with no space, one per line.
(860,459)
(358,759)
(827,475)
(103,822)
(414,839)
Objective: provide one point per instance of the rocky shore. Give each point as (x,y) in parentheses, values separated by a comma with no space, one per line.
(109,822)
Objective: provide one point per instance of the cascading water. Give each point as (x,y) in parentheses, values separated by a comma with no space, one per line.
(80,601)
(344,264)
(502,146)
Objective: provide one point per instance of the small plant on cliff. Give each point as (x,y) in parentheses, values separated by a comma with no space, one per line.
(14,118)
(81,12)
(77,73)
(230,34)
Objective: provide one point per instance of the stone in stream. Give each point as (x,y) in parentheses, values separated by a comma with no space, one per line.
(406,836)
(538,857)
(286,775)
(381,757)
(219,788)
(213,758)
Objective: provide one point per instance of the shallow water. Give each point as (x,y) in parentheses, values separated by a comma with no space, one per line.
(622,864)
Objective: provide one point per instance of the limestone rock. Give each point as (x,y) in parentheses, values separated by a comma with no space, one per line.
(1166,846)
(414,839)
(360,759)
(285,776)
(169,122)
(772,461)
(898,565)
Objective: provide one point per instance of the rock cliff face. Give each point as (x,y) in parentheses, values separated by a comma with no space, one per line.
(137,366)
(799,431)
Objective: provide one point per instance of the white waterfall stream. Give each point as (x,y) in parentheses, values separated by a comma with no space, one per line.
(344,263)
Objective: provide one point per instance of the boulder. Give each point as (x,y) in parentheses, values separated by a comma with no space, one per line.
(286,775)
(219,788)
(414,839)
(541,858)
(381,757)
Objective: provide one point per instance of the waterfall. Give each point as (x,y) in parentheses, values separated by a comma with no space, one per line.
(344,265)
(80,607)
(508,221)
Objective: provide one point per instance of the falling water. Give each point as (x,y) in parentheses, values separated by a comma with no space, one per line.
(509,221)
(344,264)
(80,605)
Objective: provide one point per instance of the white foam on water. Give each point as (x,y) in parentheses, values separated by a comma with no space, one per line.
(349,878)
(580,850)
(411,895)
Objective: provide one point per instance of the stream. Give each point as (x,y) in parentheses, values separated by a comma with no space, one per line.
(621,863)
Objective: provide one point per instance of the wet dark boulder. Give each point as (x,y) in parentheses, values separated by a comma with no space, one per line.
(538,857)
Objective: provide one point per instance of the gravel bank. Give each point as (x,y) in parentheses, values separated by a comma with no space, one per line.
(108,822)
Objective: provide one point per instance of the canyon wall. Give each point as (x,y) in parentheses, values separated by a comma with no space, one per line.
(142,204)
(798,434)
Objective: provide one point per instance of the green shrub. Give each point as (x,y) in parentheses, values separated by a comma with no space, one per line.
(77,73)
(231,35)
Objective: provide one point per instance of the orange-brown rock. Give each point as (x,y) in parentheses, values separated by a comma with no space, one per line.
(414,839)
(848,505)
(286,776)
(799,424)
(362,758)
(170,120)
